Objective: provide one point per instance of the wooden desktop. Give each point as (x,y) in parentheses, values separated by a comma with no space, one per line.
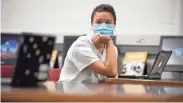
(145,81)
(113,90)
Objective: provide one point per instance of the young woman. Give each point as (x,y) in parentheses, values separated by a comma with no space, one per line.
(94,56)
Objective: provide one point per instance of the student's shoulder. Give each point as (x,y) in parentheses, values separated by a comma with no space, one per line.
(83,40)
(80,43)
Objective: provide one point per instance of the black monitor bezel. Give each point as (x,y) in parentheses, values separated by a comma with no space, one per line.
(161,42)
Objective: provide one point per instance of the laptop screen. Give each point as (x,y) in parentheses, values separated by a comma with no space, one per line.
(174,44)
(9,46)
(160,64)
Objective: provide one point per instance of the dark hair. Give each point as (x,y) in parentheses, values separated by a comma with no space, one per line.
(104,8)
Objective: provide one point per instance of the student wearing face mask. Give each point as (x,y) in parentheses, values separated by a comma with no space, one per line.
(93,57)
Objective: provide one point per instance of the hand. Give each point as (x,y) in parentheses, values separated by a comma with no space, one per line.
(103,38)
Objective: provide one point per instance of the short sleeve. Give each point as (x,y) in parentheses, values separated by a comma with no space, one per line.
(83,55)
(116,51)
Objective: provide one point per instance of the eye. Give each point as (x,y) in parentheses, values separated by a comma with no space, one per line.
(108,22)
(99,22)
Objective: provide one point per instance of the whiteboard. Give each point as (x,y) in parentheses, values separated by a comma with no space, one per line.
(134,17)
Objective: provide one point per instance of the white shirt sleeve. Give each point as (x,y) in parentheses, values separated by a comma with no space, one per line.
(116,51)
(83,55)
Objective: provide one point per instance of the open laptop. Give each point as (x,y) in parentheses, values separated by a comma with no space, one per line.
(9,46)
(157,68)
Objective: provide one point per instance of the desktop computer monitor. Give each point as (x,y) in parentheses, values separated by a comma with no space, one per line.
(68,40)
(9,47)
(175,44)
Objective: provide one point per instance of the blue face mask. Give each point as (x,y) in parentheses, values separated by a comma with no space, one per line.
(106,29)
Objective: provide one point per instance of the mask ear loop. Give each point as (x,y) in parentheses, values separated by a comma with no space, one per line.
(91,33)
(91,30)
(115,32)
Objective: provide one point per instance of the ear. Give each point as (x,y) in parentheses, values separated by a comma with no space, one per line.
(114,25)
(92,25)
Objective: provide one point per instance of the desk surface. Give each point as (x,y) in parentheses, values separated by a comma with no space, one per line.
(51,91)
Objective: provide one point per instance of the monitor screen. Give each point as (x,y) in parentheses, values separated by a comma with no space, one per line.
(9,46)
(175,44)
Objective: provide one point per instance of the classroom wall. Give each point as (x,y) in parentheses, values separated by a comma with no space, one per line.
(181,31)
(72,17)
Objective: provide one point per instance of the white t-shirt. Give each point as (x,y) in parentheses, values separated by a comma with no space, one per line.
(80,55)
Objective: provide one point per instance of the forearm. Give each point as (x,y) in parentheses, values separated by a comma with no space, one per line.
(111,59)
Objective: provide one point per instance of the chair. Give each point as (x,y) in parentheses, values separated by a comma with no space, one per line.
(53,74)
(6,71)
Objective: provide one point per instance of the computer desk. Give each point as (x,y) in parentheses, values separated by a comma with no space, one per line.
(113,90)
(145,81)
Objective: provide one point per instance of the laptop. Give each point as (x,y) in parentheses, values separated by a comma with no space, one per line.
(157,68)
(9,46)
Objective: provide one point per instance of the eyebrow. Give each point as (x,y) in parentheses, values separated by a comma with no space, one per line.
(103,20)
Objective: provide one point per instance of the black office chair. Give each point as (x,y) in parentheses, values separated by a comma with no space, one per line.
(68,40)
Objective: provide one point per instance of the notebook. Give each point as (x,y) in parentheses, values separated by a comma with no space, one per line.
(33,59)
(134,63)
